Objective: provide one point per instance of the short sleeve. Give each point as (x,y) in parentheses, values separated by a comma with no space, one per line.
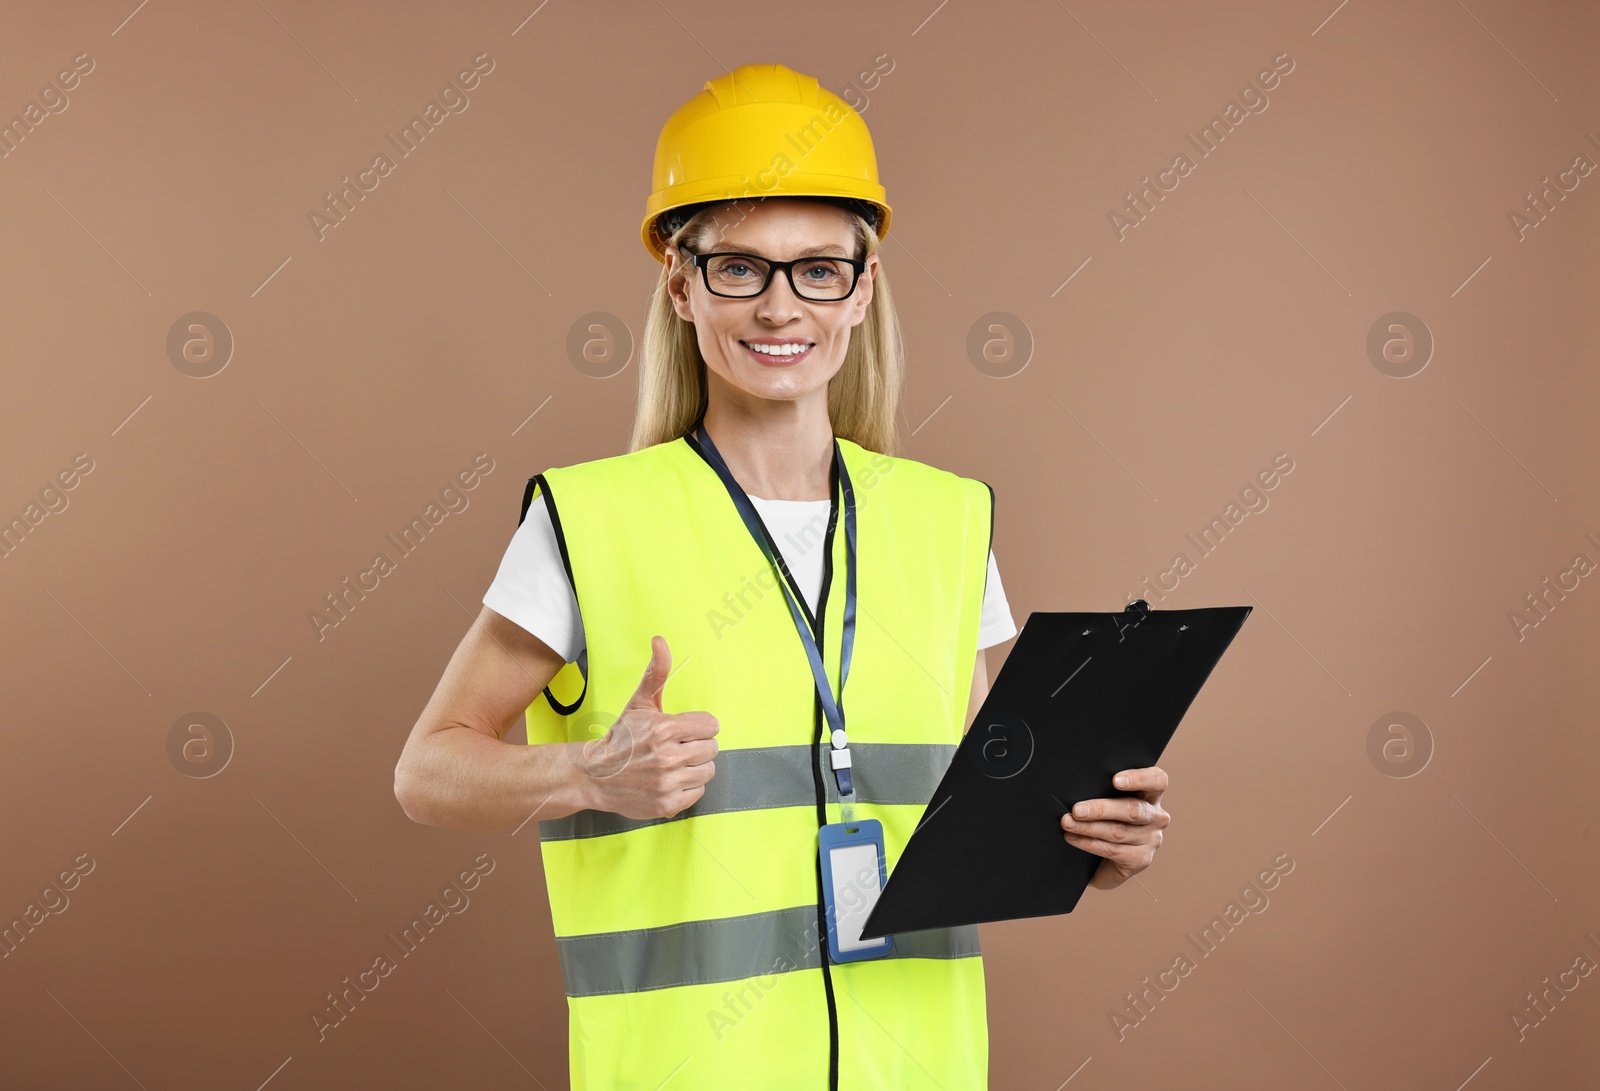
(996,625)
(532,589)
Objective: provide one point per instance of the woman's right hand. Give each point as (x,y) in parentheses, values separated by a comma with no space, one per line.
(651,764)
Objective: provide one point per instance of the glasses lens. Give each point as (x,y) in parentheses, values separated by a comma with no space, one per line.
(823,278)
(740,275)
(736,275)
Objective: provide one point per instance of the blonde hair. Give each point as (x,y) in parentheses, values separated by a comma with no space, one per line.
(863,396)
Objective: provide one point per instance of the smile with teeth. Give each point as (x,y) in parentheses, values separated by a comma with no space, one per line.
(785,352)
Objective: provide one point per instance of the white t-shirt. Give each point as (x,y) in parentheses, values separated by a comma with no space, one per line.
(532,590)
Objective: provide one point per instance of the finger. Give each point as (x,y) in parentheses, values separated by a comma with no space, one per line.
(699,752)
(686,799)
(1122,809)
(693,726)
(1126,857)
(647,694)
(1116,833)
(698,775)
(1147,780)
(1092,844)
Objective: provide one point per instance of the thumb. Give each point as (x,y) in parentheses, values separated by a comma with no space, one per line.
(648,693)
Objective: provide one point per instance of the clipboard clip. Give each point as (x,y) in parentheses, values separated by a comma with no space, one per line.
(1138,610)
(1132,617)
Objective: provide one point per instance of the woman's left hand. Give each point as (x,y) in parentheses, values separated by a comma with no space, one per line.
(1125,830)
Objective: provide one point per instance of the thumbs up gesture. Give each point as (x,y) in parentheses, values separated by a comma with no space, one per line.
(651,764)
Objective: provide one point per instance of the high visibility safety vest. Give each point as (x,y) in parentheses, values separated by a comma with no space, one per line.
(694,948)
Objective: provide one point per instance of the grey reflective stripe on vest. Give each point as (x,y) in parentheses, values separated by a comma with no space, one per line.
(780,776)
(724,949)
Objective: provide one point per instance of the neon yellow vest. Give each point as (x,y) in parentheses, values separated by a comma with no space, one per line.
(692,948)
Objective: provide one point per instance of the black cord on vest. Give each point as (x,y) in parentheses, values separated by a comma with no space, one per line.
(816,775)
(822,918)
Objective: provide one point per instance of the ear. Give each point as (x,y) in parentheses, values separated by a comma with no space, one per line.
(863,294)
(678,272)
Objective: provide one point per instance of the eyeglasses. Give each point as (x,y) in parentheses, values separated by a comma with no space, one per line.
(744,276)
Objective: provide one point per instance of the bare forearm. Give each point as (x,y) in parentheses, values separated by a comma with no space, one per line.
(464,780)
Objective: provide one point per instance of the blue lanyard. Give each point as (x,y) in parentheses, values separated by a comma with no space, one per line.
(840,755)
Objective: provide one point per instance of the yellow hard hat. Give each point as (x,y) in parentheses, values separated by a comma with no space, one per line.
(763,130)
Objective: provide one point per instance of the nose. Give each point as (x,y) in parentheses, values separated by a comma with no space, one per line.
(779,304)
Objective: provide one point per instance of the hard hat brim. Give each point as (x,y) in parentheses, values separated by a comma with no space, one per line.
(737,188)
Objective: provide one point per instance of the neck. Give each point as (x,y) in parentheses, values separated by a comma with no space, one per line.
(776,450)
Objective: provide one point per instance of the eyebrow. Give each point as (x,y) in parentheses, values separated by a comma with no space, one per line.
(832,249)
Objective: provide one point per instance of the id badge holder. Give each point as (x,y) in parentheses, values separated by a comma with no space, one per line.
(853,875)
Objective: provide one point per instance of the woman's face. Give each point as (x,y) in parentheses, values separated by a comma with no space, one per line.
(781,230)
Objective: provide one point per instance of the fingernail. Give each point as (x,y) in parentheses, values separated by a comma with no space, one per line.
(1121,781)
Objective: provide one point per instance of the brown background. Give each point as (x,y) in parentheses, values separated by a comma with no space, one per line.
(1228,327)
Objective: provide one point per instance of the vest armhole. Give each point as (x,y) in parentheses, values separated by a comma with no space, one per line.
(538,483)
(990,548)
(990,487)
(528,493)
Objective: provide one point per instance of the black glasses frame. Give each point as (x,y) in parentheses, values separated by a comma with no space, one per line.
(858,265)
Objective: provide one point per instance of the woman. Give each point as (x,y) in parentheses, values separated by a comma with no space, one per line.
(681,847)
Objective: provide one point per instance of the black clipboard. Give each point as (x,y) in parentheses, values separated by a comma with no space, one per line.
(1080,697)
